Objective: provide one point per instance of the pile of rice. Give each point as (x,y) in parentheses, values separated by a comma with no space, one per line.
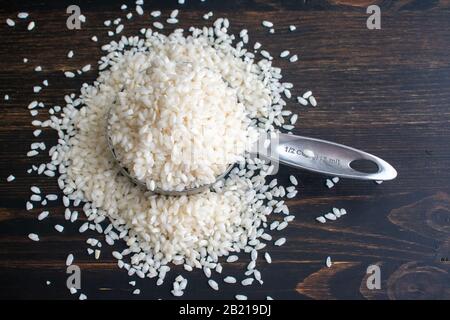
(161,90)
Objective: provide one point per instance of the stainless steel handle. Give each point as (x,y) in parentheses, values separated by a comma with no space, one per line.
(329,158)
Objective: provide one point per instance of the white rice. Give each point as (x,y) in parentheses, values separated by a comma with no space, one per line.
(280,242)
(191,230)
(31,26)
(69,259)
(213,284)
(158,25)
(35,189)
(293,180)
(330,216)
(10,22)
(229,279)
(267,24)
(284,54)
(321,219)
(155,14)
(329,183)
(33,237)
(51,197)
(35,198)
(307,94)
(43,215)
(328,262)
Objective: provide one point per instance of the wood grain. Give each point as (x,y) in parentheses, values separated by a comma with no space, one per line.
(384,91)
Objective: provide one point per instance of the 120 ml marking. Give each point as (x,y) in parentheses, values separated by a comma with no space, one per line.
(299,152)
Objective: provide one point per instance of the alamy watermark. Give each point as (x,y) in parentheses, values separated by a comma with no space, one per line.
(73,21)
(374,20)
(373,281)
(74,280)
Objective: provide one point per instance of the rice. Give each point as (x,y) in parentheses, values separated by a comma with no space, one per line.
(330,216)
(232,258)
(293,180)
(10,178)
(10,22)
(329,183)
(213,284)
(119,28)
(280,242)
(155,13)
(293,58)
(35,189)
(307,94)
(33,237)
(237,94)
(69,259)
(229,279)
(51,197)
(142,138)
(158,25)
(31,26)
(284,54)
(267,24)
(35,198)
(43,215)
(328,262)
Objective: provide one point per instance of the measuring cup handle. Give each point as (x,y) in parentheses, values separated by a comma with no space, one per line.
(327,157)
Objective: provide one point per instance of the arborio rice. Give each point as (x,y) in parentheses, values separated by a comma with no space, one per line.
(192,230)
(177,125)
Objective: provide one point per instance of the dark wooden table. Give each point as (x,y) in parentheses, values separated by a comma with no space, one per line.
(385,91)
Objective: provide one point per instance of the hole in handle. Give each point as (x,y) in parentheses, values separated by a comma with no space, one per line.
(364,166)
